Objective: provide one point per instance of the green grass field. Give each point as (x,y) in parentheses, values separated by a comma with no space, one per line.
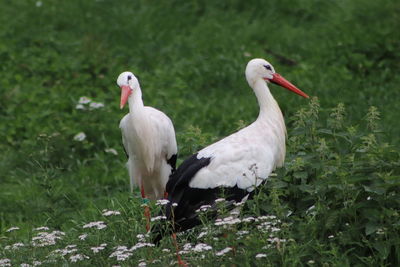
(336,200)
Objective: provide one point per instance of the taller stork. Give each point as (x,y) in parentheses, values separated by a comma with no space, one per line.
(236,164)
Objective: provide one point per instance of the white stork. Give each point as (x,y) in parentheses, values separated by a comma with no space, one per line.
(148,137)
(236,164)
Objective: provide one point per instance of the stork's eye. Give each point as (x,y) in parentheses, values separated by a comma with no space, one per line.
(129,77)
(268,67)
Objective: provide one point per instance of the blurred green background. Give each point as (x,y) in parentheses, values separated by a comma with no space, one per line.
(190,58)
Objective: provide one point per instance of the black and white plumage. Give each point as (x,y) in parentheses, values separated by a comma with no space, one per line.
(236,164)
(149,140)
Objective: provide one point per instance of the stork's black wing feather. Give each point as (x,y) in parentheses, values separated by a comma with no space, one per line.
(172,162)
(189,199)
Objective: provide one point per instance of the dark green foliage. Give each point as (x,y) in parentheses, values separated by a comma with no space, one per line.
(341,187)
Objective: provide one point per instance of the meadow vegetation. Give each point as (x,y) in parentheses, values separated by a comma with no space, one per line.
(64,189)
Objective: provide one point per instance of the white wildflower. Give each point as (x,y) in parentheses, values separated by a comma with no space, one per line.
(5,262)
(227,221)
(174,204)
(380,231)
(121,253)
(224,251)
(24,265)
(110,212)
(99,225)
(162,202)
(14,228)
(331,236)
(82,236)
(36,263)
(142,264)
(141,237)
(369,198)
(84,100)
(96,105)
(311,262)
(141,245)
(248,219)
(166,250)
(80,136)
(234,213)
(203,208)
(43,239)
(243,232)
(201,247)
(238,204)
(219,200)
(80,106)
(187,246)
(42,228)
(276,240)
(246,54)
(261,255)
(202,234)
(17,245)
(158,218)
(97,249)
(78,257)
(111,151)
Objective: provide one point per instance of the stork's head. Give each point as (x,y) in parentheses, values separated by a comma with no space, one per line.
(261,69)
(127,82)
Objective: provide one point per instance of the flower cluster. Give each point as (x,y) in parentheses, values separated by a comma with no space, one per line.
(80,136)
(5,262)
(223,252)
(99,225)
(122,253)
(85,103)
(14,228)
(14,246)
(43,239)
(188,248)
(99,248)
(110,212)
(78,257)
(227,221)
(162,202)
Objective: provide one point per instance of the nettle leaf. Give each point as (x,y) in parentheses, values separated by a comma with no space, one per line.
(300,175)
(383,248)
(375,189)
(371,228)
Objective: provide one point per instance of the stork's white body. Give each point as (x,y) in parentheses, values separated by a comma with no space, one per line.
(148,136)
(247,157)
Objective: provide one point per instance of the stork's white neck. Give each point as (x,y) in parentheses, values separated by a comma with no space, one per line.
(268,105)
(135,101)
(270,120)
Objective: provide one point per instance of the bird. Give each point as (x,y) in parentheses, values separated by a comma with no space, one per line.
(148,138)
(236,164)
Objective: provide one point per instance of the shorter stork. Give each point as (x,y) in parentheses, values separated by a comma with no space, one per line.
(149,141)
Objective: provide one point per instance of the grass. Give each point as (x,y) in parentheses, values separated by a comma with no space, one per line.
(341,178)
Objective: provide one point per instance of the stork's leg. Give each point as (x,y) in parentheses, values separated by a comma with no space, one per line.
(165,195)
(146,208)
(180,261)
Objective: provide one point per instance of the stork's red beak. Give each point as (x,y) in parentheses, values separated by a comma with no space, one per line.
(279,80)
(125,92)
